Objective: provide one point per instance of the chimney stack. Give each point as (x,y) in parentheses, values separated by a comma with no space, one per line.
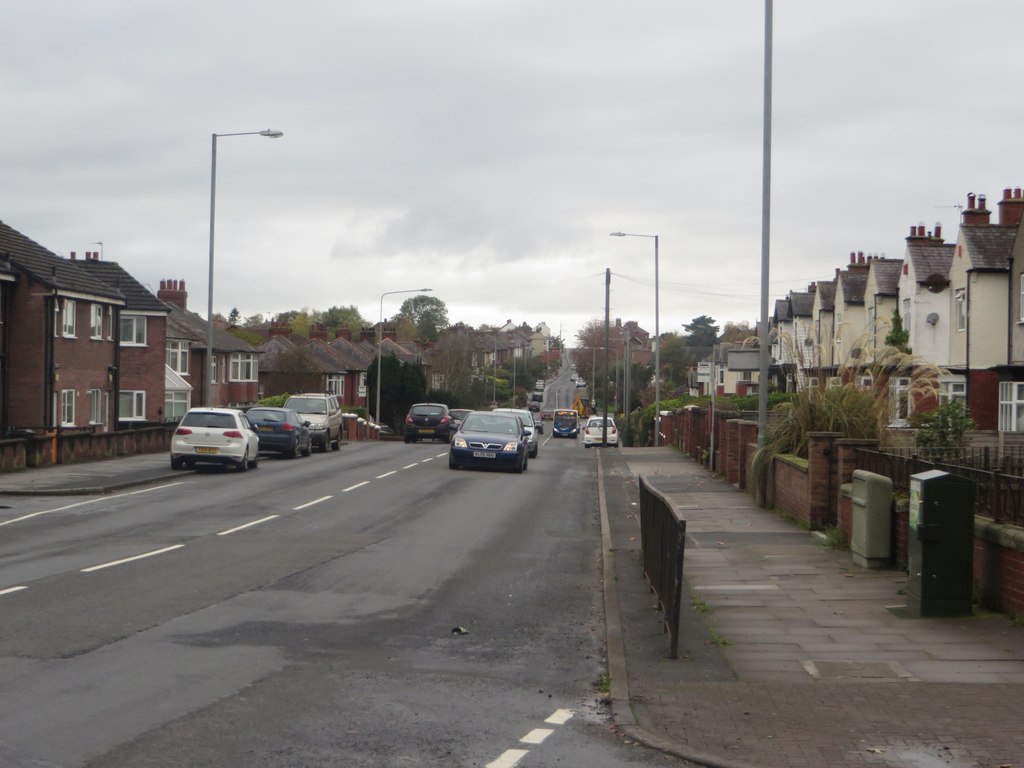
(173,292)
(975,214)
(1011,208)
(343,333)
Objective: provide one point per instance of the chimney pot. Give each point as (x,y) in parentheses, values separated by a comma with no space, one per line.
(72,255)
(970,201)
(938,230)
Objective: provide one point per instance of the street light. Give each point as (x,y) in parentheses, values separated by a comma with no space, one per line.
(209,290)
(380,334)
(657,337)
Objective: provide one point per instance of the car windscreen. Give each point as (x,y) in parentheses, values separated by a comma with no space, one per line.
(211,420)
(427,410)
(264,414)
(502,424)
(307,404)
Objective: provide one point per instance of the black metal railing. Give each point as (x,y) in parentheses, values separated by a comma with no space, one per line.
(662,541)
(999,475)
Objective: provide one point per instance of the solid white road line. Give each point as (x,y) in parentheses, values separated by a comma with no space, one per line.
(112,563)
(387,474)
(536,736)
(509,758)
(560,717)
(90,501)
(357,485)
(11,589)
(250,525)
(311,503)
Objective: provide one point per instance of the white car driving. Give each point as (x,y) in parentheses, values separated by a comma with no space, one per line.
(594,431)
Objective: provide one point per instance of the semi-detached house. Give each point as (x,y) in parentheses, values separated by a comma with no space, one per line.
(60,340)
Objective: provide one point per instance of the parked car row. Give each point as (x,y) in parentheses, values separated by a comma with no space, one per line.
(235,438)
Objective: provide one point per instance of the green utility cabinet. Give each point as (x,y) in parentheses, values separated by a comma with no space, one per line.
(872,519)
(940,546)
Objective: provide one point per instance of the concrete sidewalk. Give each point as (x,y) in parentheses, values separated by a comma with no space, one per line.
(90,477)
(792,656)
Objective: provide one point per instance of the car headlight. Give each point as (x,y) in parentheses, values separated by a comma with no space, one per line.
(511,445)
(459,442)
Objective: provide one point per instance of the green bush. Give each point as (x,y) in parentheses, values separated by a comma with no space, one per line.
(943,427)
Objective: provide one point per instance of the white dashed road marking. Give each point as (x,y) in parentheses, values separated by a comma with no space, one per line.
(387,474)
(536,736)
(561,717)
(9,590)
(311,503)
(112,563)
(409,466)
(509,758)
(357,485)
(249,525)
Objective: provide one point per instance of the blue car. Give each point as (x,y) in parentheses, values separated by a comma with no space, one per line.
(490,439)
(280,430)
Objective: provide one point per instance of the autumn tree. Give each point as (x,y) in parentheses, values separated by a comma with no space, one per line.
(428,313)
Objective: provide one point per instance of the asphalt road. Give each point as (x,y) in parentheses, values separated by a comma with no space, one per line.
(303,615)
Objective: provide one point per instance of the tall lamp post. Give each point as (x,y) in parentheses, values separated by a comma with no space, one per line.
(380,335)
(657,338)
(270,134)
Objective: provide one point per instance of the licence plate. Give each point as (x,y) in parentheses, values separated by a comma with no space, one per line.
(484,455)
(207,450)
(264,429)
(426,431)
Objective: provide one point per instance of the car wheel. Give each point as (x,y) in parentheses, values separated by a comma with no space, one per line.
(243,465)
(308,449)
(324,447)
(177,463)
(294,452)
(336,445)
(526,463)
(255,462)
(534,452)
(522,465)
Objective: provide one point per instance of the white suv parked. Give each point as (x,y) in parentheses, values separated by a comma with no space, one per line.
(323,412)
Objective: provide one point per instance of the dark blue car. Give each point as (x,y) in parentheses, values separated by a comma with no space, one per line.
(280,430)
(490,439)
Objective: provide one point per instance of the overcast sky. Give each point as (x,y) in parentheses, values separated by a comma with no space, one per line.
(486,148)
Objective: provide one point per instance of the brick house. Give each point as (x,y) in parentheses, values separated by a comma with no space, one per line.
(142,345)
(357,362)
(979,286)
(61,358)
(235,379)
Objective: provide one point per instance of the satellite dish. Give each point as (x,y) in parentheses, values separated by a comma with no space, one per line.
(932,319)
(935,282)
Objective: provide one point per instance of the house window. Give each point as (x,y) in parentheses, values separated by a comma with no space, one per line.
(362,383)
(906,315)
(243,366)
(96,321)
(1011,406)
(133,331)
(865,382)
(95,406)
(175,405)
(68,325)
(132,405)
(336,384)
(899,400)
(952,389)
(960,299)
(177,356)
(67,407)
